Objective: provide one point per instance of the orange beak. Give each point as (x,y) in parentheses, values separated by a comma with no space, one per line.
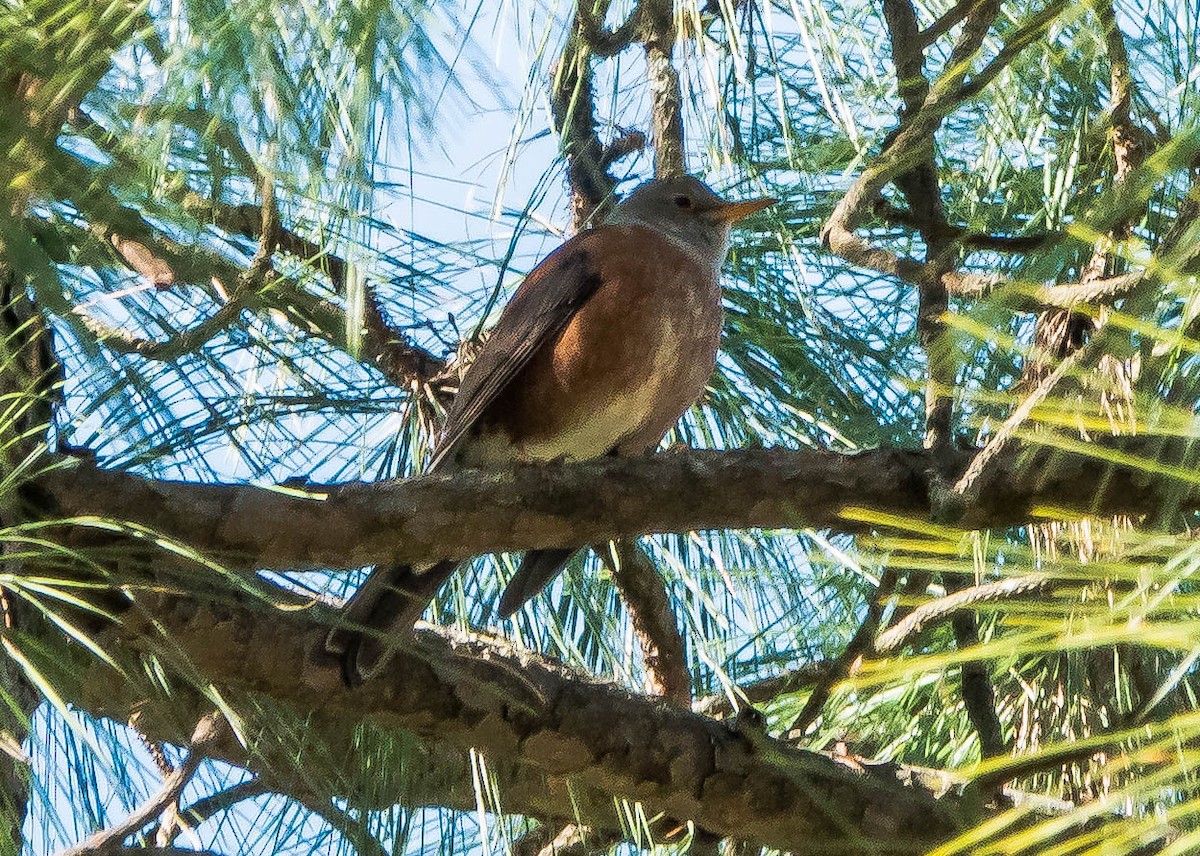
(734,211)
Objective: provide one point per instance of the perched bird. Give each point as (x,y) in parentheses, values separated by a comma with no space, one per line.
(601,349)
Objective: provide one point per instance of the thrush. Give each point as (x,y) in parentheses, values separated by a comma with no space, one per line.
(600,351)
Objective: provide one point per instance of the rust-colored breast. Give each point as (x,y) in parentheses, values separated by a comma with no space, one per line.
(632,358)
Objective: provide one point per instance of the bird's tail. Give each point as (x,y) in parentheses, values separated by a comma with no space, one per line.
(381,613)
(537,569)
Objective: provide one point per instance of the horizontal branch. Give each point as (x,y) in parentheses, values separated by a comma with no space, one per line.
(858,251)
(963,236)
(474,512)
(591,743)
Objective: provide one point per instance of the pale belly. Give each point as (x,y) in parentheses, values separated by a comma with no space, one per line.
(613,415)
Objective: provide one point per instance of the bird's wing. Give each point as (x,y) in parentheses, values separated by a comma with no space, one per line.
(539,310)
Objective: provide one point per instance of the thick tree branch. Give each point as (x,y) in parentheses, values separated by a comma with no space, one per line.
(471,513)
(586,738)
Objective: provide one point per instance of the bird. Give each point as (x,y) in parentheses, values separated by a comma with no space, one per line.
(601,349)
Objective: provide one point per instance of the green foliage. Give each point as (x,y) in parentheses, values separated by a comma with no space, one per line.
(160,125)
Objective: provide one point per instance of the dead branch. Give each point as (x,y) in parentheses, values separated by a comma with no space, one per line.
(207,732)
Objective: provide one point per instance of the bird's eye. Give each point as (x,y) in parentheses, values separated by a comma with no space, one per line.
(682,201)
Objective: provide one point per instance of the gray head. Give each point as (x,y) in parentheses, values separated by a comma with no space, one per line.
(687,212)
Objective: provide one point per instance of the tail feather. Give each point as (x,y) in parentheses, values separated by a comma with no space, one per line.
(537,569)
(384,608)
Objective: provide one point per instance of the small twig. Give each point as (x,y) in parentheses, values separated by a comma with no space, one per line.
(626,144)
(929,615)
(965,238)
(206,807)
(268,228)
(189,340)
(249,283)
(208,731)
(1024,36)
(859,645)
(157,753)
(387,348)
(602,41)
(921,188)
(960,284)
(978,694)
(654,624)
(393,353)
(570,840)
(949,19)
(1014,421)
(758,692)
(365,844)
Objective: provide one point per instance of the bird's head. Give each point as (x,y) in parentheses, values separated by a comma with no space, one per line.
(686,211)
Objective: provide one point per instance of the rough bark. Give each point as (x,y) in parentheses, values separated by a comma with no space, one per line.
(589,742)
(563,505)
